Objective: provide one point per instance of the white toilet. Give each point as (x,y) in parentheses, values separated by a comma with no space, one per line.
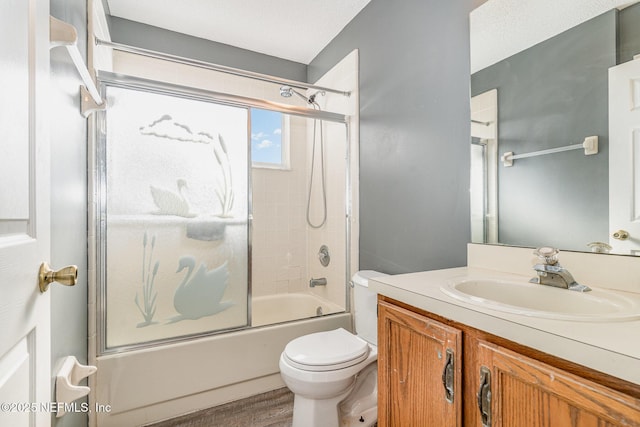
(333,374)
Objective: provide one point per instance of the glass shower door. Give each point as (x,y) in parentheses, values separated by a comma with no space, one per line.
(174,215)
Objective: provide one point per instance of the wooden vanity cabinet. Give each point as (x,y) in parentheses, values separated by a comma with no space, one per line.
(521,387)
(419,370)
(526,392)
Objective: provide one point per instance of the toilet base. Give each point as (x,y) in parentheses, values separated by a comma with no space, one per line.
(317,412)
(360,408)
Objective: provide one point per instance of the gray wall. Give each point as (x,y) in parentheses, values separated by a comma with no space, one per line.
(552,95)
(68,201)
(629,35)
(161,40)
(414,131)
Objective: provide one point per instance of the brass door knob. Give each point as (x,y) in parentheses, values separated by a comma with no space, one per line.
(621,235)
(67,276)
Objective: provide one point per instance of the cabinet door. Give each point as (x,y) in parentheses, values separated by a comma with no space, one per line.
(525,392)
(419,370)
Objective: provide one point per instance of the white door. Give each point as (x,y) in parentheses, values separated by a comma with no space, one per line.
(624,157)
(25,373)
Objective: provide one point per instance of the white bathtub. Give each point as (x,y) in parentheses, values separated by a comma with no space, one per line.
(278,308)
(209,371)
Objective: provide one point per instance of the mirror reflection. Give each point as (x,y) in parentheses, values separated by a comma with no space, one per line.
(555,101)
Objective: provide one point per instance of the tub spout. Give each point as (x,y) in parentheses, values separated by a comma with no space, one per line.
(318,282)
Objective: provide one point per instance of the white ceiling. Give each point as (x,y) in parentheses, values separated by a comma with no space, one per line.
(501,28)
(296,30)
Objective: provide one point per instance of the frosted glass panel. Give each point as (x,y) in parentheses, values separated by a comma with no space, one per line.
(176,217)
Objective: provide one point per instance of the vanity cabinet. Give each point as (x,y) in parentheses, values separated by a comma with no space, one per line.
(496,382)
(419,370)
(526,392)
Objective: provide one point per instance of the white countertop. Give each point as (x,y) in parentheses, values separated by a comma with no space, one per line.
(610,347)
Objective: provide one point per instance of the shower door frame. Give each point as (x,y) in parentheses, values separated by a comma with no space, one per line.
(97,195)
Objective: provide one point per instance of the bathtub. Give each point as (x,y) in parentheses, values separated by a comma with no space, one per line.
(278,308)
(209,371)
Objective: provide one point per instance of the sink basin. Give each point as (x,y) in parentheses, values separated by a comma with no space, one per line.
(535,300)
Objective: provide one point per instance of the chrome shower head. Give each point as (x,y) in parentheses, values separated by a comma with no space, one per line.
(288,92)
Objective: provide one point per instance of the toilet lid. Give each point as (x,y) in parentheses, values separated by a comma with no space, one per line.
(324,351)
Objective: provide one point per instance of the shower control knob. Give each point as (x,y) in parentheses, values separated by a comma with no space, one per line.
(323,255)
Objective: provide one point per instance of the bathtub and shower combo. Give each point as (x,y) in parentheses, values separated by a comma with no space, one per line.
(223,228)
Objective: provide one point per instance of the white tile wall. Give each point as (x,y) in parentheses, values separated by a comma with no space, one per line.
(279,238)
(343,76)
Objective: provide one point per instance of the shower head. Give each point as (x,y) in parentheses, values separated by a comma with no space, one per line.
(288,91)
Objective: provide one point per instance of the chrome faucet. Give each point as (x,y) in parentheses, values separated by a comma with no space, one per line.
(318,282)
(551,273)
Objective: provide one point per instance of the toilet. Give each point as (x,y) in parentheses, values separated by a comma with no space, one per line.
(333,375)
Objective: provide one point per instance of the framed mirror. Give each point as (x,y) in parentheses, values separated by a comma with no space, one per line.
(552,160)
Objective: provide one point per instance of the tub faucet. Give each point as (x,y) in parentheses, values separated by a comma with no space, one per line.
(318,282)
(551,273)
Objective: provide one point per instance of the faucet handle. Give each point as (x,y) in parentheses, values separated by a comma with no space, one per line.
(547,254)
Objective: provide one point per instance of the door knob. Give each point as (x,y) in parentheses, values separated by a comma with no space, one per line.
(621,235)
(67,276)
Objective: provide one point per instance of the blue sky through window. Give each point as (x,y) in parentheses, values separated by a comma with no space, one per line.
(266,136)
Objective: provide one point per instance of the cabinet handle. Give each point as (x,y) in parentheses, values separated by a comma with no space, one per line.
(447,376)
(484,396)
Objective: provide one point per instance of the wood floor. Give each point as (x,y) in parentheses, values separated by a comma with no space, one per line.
(271,409)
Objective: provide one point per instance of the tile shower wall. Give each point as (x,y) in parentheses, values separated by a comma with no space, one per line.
(279,244)
(284,251)
(343,75)
(280,201)
(332,233)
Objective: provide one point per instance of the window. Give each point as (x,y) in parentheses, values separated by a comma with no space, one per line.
(268,144)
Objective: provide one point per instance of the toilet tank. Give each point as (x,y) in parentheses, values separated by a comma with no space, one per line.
(365,306)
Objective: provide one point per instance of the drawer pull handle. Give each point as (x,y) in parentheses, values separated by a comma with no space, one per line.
(447,376)
(484,396)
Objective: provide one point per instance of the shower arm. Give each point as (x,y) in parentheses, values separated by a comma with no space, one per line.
(288,92)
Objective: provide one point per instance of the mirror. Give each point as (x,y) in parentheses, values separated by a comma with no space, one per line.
(540,90)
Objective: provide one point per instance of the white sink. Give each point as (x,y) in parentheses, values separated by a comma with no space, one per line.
(535,300)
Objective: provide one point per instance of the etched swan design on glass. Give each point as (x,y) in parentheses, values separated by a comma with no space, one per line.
(200,294)
(171,203)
